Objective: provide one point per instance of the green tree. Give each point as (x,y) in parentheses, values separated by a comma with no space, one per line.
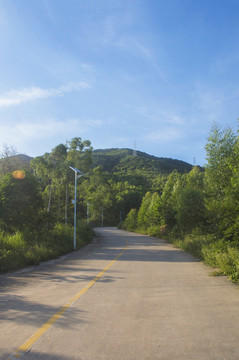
(20,201)
(143,211)
(96,190)
(9,162)
(221,157)
(79,153)
(190,210)
(168,201)
(130,222)
(195,178)
(230,222)
(55,176)
(153,214)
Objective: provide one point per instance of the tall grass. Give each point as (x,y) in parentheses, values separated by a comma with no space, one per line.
(28,248)
(219,254)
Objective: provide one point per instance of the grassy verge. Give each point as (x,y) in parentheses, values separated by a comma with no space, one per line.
(23,249)
(219,254)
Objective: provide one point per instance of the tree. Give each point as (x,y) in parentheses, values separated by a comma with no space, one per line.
(9,162)
(143,211)
(190,209)
(167,208)
(195,178)
(221,157)
(79,153)
(153,215)
(97,191)
(220,154)
(20,201)
(130,222)
(230,222)
(56,178)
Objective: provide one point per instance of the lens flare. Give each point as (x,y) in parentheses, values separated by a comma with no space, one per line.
(19,174)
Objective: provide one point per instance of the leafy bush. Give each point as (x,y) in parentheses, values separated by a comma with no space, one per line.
(230,266)
(130,222)
(154,230)
(190,209)
(194,243)
(222,256)
(211,251)
(27,248)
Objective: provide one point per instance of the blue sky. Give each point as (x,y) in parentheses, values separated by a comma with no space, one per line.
(155,72)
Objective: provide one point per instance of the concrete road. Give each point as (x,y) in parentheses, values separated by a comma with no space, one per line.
(152,302)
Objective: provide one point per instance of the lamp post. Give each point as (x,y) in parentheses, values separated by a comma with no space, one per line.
(74,201)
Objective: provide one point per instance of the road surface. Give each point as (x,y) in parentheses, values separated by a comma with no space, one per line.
(124,297)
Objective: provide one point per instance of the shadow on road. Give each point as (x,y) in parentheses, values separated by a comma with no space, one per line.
(43,356)
(32,355)
(14,305)
(18,309)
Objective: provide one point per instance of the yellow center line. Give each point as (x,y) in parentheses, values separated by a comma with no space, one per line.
(26,346)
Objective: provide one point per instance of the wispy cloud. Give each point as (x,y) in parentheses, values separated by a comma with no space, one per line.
(165,135)
(27,132)
(209,101)
(160,115)
(17,97)
(49,12)
(137,48)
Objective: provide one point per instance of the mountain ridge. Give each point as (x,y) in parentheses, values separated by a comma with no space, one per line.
(120,160)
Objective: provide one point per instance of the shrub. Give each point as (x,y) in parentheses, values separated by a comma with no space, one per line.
(27,248)
(195,242)
(211,251)
(130,222)
(154,230)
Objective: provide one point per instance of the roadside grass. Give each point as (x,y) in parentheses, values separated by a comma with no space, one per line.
(218,254)
(222,256)
(27,248)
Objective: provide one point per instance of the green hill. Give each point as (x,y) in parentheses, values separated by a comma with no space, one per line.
(118,161)
(124,160)
(14,162)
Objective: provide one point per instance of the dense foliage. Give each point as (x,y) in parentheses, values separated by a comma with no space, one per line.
(199,210)
(34,198)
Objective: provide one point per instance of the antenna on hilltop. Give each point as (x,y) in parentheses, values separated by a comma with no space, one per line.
(135,151)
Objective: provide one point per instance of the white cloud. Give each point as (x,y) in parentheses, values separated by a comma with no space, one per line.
(17,97)
(28,132)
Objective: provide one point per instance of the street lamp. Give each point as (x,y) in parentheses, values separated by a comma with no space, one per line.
(74,201)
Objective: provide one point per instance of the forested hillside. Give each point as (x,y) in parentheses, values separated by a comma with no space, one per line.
(122,161)
(130,161)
